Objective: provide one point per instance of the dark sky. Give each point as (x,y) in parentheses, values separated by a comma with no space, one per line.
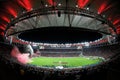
(60,35)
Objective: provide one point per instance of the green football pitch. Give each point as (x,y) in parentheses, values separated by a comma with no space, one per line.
(65,61)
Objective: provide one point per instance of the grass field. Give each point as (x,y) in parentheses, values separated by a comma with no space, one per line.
(65,61)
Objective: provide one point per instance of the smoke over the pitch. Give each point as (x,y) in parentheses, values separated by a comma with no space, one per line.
(22,58)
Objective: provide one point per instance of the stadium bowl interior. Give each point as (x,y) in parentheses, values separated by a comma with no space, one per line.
(59,40)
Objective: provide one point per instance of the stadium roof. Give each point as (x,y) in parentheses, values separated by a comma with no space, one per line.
(11,10)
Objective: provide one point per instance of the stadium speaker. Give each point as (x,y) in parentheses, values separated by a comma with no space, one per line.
(12,24)
(59,13)
(103,22)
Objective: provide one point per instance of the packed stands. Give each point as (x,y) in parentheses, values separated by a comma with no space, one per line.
(15,70)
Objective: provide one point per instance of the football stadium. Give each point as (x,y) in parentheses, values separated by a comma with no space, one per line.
(59,40)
